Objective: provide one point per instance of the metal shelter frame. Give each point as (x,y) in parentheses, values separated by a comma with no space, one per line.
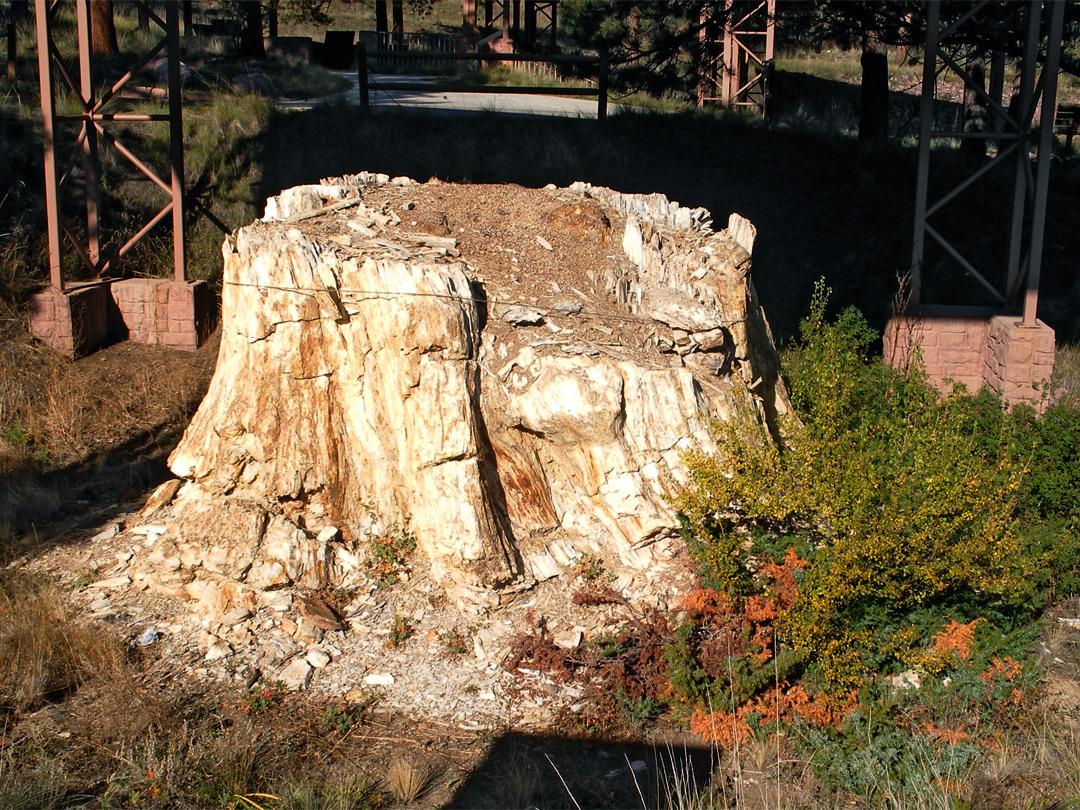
(92,120)
(1028,213)
(749,35)
(507,16)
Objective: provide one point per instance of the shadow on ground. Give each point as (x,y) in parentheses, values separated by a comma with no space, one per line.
(556,773)
(52,505)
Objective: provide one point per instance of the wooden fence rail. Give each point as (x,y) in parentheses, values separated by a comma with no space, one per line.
(599,92)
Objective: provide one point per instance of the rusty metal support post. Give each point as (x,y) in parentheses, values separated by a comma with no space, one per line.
(705,57)
(469,31)
(530,24)
(729,68)
(88,135)
(1020,190)
(176,138)
(926,121)
(770,30)
(1046,145)
(48,136)
(768,63)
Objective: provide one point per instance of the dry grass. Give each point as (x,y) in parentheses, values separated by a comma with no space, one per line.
(1064,756)
(1066,380)
(680,788)
(57,412)
(407,778)
(91,425)
(85,721)
(45,653)
(517,784)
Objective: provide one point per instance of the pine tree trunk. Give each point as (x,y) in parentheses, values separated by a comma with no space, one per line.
(251,35)
(102,28)
(272,18)
(874,109)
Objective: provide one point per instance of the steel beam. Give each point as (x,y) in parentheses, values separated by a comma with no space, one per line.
(176,140)
(1027,84)
(1042,180)
(88,137)
(43,15)
(1014,132)
(926,123)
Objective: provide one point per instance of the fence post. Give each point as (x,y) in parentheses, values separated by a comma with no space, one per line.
(601,87)
(361,74)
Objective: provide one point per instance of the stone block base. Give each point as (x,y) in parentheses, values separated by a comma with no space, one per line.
(177,314)
(975,347)
(73,321)
(1019,359)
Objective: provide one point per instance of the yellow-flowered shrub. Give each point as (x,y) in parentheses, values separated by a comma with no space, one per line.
(901,514)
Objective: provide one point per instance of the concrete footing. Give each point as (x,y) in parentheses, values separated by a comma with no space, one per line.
(169,313)
(975,347)
(72,321)
(177,314)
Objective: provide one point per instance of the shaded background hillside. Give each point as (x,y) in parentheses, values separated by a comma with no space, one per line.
(825,206)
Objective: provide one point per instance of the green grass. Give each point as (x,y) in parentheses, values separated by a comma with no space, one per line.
(444,16)
(833,65)
(1066,380)
(507,76)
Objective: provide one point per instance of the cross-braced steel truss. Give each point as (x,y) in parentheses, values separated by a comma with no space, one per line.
(540,18)
(736,74)
(1019,135)
(92,119)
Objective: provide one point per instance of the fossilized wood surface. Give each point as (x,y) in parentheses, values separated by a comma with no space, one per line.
(371,376)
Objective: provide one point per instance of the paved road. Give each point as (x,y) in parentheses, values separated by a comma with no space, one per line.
(444,102)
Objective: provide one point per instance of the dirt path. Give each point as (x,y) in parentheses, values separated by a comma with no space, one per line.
(451,103)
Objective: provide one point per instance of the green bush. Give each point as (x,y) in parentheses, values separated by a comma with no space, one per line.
(908,513)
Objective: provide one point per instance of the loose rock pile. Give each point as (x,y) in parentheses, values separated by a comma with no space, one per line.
(449,665)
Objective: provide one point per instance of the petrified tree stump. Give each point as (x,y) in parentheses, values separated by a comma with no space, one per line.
(496,375)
